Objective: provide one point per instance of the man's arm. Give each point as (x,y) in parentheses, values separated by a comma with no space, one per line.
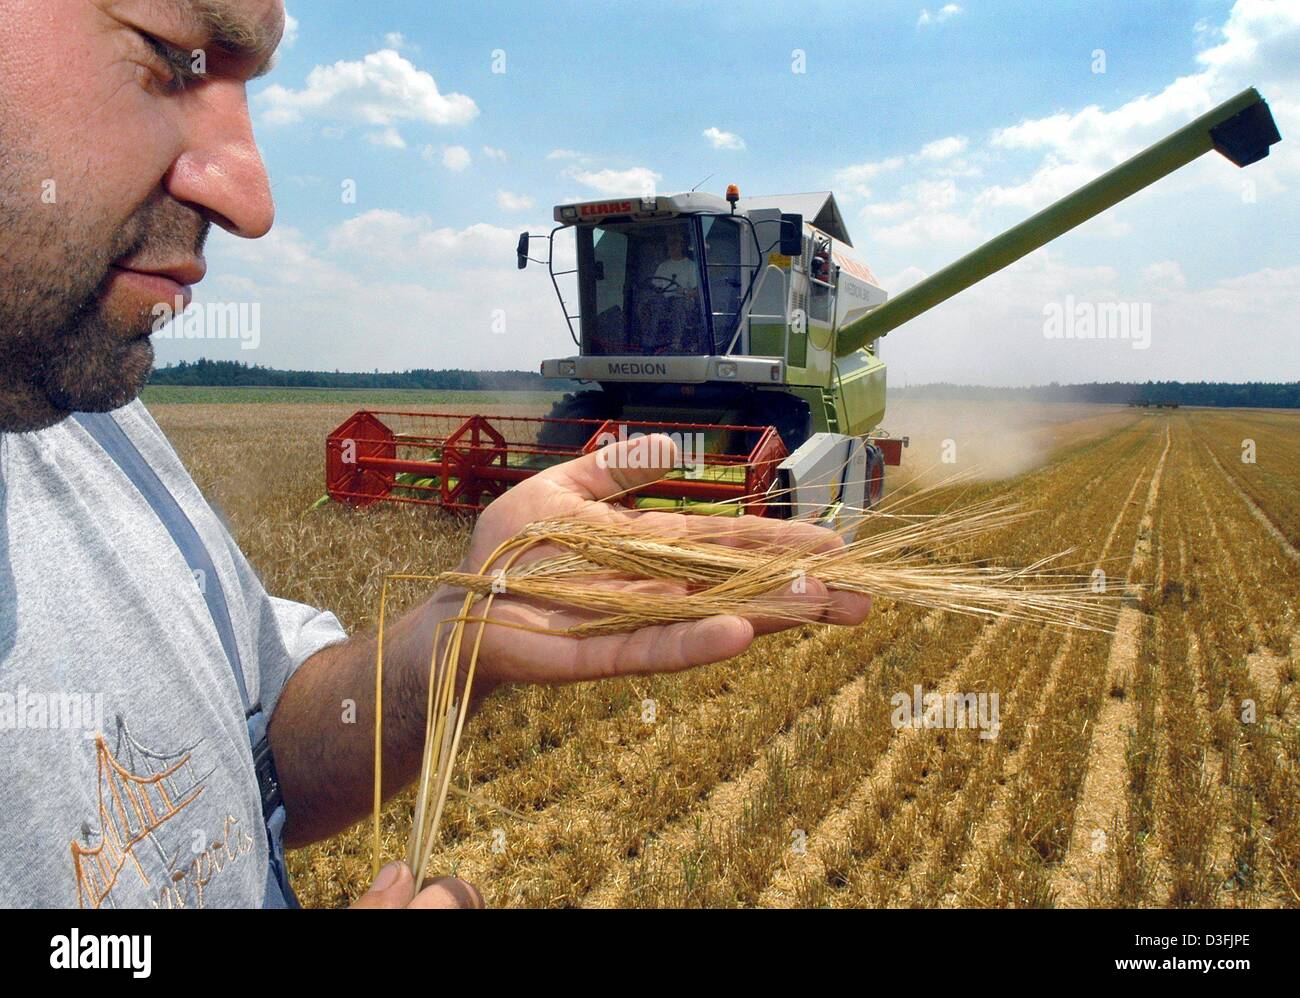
(326,766)
(322,733)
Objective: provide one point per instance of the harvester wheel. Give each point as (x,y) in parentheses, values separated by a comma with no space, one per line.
(875,475)
(592,404)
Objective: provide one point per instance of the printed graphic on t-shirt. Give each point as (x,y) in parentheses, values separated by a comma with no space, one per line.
(136,833)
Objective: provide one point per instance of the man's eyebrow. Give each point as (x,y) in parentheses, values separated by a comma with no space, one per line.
(229,28)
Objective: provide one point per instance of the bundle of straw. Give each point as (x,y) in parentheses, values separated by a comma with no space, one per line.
(571,563)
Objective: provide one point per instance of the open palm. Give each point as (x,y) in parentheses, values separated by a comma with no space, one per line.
(575,489)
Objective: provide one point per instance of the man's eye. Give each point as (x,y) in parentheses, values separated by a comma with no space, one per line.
(173,68)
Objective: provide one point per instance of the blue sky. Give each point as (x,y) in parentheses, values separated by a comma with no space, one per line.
(936,125)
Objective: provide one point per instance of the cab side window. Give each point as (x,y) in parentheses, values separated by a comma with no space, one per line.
(726,277)
(821,291)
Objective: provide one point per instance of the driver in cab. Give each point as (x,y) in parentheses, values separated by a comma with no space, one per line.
(676,275)
(670,310)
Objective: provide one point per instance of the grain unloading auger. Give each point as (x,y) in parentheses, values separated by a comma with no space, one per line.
(749,329)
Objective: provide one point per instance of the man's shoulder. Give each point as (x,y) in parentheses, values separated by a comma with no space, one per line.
(135,416)
(137,422)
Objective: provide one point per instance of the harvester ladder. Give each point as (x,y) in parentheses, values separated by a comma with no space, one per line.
(832,414)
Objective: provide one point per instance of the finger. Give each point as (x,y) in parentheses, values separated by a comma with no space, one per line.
(660,648)
(393,888)
(806,600)
(741,531)
(848,609)
(801,601)
(448,892)
(616,468)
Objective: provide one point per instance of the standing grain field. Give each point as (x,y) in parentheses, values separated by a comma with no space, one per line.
(1159,766)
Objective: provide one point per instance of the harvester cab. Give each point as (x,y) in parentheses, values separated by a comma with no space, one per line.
(723,312)
(747,326)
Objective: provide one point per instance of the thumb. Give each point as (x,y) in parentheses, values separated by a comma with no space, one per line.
(618,466)
(393,888)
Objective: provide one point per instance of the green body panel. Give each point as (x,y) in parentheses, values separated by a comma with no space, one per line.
(765,340)
(798,355)
(814,367)
(861,394)
(1109,189)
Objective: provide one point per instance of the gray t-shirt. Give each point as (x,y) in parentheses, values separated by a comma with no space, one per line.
(126,774)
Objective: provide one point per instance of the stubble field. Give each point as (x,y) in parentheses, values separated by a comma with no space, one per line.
(1158,767)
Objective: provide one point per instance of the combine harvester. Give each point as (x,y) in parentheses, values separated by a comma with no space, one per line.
(746,329)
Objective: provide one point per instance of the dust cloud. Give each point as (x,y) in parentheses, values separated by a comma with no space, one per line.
(988,441)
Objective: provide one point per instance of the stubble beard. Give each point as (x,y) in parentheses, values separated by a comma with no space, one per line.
(61,350)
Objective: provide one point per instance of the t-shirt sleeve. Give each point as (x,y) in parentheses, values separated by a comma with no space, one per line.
(291,634)
(287,633)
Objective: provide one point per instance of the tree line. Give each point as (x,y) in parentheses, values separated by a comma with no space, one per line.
(1256,394)
(232,373)
(236,374)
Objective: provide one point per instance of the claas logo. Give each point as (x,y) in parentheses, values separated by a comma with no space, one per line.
(605,208)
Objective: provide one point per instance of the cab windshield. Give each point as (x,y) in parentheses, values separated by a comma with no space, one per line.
(640,289)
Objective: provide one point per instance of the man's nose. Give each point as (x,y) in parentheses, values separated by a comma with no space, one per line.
(220,171)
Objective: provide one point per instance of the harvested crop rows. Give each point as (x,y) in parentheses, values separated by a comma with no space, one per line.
(1154,767)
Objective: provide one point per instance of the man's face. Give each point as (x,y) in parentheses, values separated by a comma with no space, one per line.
(674,243)
(115,158)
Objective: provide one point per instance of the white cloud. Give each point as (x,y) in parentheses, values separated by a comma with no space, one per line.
(1259,35)
(563,154)
(513,202)
(1052,180)
(391,238)
(454,158)
(491,152)
(723,140)
(1261,43)
(1100,138)
(1167,275)
(396,41)
(944,13)
(382,89)
(938,227)
(856,178)
(883,210)
(941,149)
(290,31)
(993,333)
(1036,161)
(637,180)
(934,195)
(389,137)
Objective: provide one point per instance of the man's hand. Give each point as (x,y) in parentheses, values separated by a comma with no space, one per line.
(573,489)
(327,768)
(395,888)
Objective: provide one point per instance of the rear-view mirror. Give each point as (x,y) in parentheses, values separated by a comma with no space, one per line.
(792,235)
